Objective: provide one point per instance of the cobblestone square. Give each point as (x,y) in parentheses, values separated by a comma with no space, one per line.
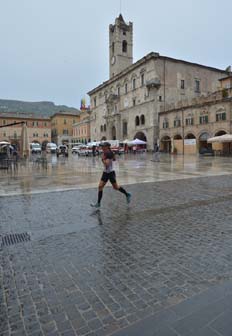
(86,272)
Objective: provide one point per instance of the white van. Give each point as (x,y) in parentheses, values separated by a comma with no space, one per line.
(35,148)
(51,147)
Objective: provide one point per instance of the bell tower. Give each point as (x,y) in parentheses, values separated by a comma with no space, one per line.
(120,46)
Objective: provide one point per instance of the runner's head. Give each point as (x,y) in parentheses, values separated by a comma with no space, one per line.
(105,146)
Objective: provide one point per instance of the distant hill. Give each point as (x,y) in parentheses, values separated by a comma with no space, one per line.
(43,108)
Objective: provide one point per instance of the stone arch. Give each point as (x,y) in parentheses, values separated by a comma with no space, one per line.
(177,137)
(202,141)
(165,144)
(220,132)
(190,136)
(140,136)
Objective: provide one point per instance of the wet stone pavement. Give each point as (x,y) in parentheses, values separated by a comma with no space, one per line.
(125,270)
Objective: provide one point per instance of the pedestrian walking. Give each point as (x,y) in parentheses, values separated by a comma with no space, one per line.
(156,153)
(109,174)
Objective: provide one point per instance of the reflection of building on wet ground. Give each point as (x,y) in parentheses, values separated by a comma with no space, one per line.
(84,172)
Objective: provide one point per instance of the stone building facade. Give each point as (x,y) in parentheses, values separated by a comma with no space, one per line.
(81,129)
(38,128)
(128,104)
(186,126)
(62,127)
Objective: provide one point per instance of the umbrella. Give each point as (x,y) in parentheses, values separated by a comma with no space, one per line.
(24,142)
(137,142)
(222,138)
(4,143)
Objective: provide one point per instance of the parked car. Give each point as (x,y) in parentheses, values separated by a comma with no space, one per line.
(35,148)
(51,147)
(82,150)
(62,150)
(206,151)
(75,149)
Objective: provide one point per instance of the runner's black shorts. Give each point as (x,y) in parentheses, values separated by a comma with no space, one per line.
(109,176)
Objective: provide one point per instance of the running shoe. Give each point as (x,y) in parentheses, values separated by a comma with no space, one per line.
(128,197)
(96,205)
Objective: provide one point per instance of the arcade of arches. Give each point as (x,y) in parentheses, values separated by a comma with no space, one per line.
(191,143)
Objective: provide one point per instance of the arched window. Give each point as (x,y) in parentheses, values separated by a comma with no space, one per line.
(124,46)
(137,121)
(142,119)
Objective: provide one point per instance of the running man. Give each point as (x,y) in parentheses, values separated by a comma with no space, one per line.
(108,174)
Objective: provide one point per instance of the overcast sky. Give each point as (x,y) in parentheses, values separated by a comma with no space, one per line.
(57,50)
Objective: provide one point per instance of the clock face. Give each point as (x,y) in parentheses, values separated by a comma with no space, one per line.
(113,59)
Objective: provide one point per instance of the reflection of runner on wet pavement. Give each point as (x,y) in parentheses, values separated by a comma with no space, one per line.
(109,174)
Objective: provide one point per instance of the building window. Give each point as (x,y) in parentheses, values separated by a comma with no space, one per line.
(65,132)
(118,91)
(124,128)
(165,124)
(177,123)
(113,47)
(124,32)
(101,128)
(126,88)
(4,134)
(137,121)
(95,101)
(160,98)
(221,116)
(134,101)
(142,80)
(197,85)
(65,121)
(124,46)
(203,119)
(182,84)
(45,124)
(142,119)
(4,122)
(134,84)
(189,121)
(105,128)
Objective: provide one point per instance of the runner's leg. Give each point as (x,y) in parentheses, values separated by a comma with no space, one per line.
(117,187)
(100,191)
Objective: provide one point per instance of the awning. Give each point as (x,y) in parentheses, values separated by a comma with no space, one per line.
(221,138)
